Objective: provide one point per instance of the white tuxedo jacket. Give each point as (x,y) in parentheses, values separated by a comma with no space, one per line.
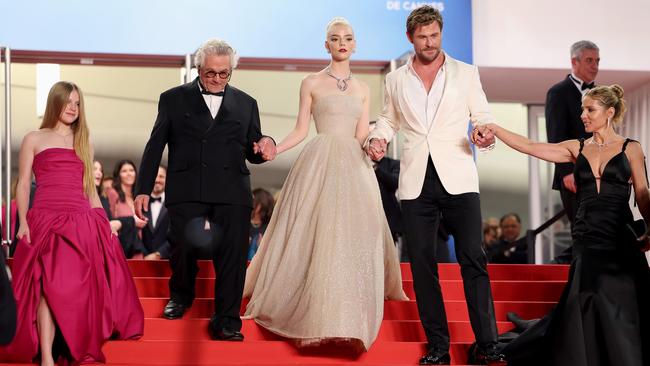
(446,139)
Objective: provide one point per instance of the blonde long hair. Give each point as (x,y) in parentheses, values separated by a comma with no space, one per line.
(57,100)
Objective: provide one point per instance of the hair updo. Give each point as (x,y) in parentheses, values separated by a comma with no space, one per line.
(337,21)
(610,96)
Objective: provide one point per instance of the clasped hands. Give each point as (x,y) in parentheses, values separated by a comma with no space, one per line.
(265,147)
(482,136)
(376,149)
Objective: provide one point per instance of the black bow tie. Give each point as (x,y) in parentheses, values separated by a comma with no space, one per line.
(587,86)
(156,199)
(206,92)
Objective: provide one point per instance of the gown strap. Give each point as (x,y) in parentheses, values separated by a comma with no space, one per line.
(582,144)
(645,166)
(627,141)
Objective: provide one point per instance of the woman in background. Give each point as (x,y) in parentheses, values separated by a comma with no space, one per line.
(263,203)
(120,200)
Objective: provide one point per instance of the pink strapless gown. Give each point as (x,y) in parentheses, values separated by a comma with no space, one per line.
(76,263)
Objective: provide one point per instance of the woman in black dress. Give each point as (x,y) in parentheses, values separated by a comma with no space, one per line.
(603,314)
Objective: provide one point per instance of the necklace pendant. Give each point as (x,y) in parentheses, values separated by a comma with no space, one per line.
(342,84)
(600,145)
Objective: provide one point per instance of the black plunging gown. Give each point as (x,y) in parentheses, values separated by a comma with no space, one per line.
(603,316)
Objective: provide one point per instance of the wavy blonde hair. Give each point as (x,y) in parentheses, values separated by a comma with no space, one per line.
(57,100)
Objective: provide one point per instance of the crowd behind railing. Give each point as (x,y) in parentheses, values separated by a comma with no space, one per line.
(148,239)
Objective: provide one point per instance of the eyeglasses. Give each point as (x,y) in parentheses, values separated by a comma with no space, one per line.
(222,74)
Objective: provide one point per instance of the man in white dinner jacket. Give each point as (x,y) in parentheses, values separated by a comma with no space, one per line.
(431,100)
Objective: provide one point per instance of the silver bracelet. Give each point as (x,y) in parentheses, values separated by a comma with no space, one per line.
(490,147)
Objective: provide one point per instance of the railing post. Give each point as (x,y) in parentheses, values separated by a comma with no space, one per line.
(534,188)
(188,68)
(5,188)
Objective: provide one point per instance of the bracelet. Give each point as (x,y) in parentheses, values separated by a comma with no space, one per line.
(490,147)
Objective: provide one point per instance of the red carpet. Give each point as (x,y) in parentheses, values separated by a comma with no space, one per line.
(529,290)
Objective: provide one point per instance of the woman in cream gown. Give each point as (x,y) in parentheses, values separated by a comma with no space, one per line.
(327,260)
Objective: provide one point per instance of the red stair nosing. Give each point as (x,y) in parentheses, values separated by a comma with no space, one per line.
(390,330)
(447,271)
(451,289)
(393,310)
(261,352)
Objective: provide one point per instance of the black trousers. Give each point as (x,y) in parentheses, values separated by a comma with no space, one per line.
(228,244)
(569,201)
(461,215)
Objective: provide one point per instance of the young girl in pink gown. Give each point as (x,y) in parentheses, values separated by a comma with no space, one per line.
(70,278)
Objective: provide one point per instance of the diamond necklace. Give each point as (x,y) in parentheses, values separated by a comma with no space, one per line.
(341,83)
(603,144)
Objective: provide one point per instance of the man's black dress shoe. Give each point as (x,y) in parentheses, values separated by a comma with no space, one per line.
(174,310)
(226,335)
(489,356)
(223,334)
(435,357)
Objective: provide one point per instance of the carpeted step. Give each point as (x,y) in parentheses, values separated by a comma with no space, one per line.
(529,290)
(390,331)
(451,289)
(265,352)
(447,271)
(393,310)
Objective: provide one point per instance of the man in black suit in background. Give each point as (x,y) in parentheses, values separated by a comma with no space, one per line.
(154,234)
(387,172)
(210,128)
(563,110)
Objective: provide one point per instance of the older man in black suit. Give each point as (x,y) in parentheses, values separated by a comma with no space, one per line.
(211,128)
(563,110)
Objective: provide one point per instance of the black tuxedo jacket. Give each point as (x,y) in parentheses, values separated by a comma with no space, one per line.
(387,172)
(206,156)
(563,109)
(154,238)
(496,253)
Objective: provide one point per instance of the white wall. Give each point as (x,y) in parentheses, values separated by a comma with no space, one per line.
(538,34)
